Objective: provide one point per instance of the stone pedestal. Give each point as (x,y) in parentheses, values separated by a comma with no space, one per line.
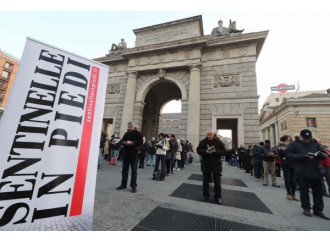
(129,102)
(193,121)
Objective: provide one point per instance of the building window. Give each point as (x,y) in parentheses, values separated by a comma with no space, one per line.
(311,122)
(5,74)
(9,66)
(277,99)
(284,99)
(283,125)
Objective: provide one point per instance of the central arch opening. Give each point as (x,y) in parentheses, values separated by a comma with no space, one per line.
(154,122)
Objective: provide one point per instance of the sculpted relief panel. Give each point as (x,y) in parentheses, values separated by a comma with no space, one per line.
(118,67)
(167,33)
(165,57)
(113,88)
(226,53)
(230,80)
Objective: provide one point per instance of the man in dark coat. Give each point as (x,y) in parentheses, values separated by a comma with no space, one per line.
(131,141)
(306,153)
(211,150)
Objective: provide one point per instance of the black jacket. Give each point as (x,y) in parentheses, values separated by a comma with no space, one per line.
(130,152)
(304,166)
(211,162)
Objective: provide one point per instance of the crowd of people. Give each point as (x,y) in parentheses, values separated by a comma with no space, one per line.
(166,154)
(303,162)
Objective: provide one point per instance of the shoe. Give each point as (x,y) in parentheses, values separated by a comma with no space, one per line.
(178,169)
(148,165)
(205,199)
(275,185)
(258,179)
(294,197)
(265,184)
(120,187)
(98,166)
(162,179)
(172,172)
(217,201)
(134,189)
(307,212)
(321,215)
(153,165)
(288,196)
(326,195)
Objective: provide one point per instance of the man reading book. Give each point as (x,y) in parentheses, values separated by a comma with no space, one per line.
(306,153)
(211,150)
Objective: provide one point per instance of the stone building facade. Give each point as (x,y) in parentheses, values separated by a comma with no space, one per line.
(295,114)
(214,79)
(8,68)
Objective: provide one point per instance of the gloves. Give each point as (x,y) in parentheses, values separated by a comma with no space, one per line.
(321,156)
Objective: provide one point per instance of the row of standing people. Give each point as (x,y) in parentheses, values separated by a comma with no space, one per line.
(166,152)
(304,162)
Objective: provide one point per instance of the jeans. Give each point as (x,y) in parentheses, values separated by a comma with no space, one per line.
(172,162)
(160,159)
(126,164)
(317,193)
(100,156)
(151,157)
(116,153)
(290,180)
(278,170)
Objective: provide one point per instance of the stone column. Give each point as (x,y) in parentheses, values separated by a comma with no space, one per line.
(266,133)
(277,139)
(272,135)
(193,120)
(129,102)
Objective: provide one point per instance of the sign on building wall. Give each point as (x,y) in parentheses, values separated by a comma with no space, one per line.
(50,135)
(283,88)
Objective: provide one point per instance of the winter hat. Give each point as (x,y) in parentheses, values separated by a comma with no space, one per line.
(131,123)
(261,143)
(306,133)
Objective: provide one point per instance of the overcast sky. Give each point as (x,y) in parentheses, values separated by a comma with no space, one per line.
(296,49)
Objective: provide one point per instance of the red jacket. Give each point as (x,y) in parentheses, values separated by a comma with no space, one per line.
(327,161)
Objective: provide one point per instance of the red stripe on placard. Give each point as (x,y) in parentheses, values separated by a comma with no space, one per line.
(79,184)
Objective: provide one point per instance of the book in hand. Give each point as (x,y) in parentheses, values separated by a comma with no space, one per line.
(211,149)
(312,155)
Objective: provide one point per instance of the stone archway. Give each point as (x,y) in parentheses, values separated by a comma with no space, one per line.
(144,89)
(155,97)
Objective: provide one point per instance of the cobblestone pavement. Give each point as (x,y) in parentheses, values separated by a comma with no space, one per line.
(122,210)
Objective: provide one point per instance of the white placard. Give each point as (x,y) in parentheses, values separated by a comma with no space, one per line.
(49,141)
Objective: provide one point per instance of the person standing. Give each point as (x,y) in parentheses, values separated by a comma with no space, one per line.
(326,164)
(152,152)
(161,148)
(102,143)
(288,168)
(250,159)
(116,147)
(178,156)
(142,152)
(268,153)
(174,147)
(258,163)
(241,156)
(211,150)
(131,140)
(307,153)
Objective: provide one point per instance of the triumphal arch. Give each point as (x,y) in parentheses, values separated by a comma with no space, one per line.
(213,75)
